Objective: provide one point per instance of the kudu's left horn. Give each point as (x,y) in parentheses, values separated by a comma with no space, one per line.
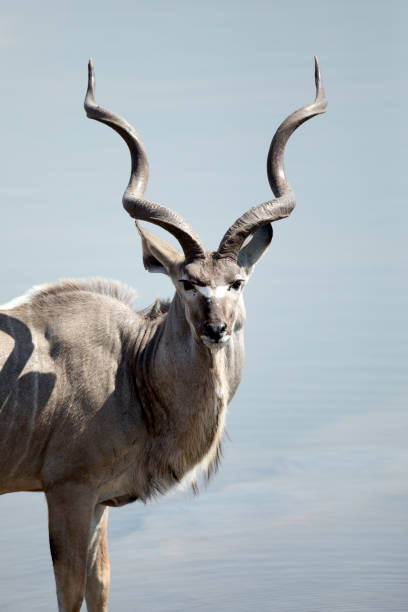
(132,198)
(285,201)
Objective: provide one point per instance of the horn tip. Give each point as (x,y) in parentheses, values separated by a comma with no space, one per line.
(318,77)
(320,93)
(89,98)
(90,67)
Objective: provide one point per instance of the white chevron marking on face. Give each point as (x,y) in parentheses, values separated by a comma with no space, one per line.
(213,292)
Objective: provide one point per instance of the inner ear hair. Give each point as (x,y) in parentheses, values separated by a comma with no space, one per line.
(158,255)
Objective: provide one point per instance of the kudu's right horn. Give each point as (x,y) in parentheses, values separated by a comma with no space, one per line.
(132,198)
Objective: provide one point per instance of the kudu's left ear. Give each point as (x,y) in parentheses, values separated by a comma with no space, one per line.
(256,247)
(158,255)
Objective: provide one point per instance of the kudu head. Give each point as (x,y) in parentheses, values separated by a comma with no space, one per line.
(209,283)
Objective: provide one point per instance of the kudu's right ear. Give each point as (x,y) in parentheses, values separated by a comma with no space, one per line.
(158,255)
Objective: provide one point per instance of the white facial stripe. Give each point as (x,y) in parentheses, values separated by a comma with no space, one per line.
(210,292)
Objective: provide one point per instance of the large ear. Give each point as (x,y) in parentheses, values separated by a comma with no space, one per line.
(158,255)
(256,247)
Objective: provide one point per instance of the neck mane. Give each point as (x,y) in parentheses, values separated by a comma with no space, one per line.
(184,389)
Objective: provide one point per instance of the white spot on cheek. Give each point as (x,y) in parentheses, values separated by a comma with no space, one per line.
(210,292)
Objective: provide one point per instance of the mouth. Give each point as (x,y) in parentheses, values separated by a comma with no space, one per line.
(215,344)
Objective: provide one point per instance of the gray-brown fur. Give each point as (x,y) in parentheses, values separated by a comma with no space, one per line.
(92,356)
(101,405)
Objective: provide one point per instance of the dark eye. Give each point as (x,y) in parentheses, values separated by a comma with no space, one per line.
(236,285)
(187,285)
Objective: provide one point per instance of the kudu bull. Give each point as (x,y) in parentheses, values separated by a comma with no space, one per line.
(101,405)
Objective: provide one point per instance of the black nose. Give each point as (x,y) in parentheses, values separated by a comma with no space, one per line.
(215,332)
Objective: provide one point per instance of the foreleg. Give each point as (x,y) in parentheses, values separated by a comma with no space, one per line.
(70,512)
(98,580)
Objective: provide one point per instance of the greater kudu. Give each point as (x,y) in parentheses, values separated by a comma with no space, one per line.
(101,405)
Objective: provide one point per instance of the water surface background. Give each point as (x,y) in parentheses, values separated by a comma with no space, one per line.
(309,510)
